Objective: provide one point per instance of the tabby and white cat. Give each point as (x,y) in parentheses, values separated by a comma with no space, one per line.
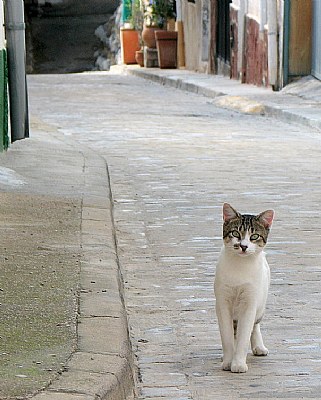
(241,285)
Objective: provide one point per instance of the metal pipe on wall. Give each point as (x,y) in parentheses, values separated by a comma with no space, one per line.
(16,50)
(272,43)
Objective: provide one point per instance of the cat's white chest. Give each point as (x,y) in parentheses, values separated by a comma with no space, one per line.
(239,270)
(242,281)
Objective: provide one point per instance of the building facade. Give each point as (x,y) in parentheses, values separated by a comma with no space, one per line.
(261,42)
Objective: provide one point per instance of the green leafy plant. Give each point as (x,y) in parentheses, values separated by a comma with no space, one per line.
(137,15)
(157,12)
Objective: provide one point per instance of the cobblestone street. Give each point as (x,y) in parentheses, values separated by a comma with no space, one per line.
(174,159)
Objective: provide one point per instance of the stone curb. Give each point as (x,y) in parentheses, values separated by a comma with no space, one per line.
(295,116)
(178,83)
(102,366)
(308,115)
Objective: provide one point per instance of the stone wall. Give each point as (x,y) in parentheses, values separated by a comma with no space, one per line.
(108,34)
(71,35)
(76,7)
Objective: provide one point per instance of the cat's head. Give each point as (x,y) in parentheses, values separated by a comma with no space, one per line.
(245,234)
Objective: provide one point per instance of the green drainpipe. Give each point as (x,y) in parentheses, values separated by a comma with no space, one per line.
(4,138)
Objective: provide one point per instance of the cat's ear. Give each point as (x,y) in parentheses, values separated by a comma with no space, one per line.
(229,212)
(266,217)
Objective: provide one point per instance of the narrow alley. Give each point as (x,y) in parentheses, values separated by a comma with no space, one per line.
(174,158)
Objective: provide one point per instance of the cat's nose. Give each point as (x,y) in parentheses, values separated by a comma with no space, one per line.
(243,247)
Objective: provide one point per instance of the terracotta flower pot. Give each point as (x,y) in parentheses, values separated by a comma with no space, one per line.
(167,48)
(139,56)
(148,36)
(129,45)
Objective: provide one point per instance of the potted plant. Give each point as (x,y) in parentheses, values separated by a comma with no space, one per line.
(166,40)
(158,12)
(129,40)
(129,35)
(137,21)
(156,15)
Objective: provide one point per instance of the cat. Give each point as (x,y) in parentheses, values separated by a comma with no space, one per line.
(241,286)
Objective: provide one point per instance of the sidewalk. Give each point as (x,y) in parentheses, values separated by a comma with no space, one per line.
(57,232)
(299,102)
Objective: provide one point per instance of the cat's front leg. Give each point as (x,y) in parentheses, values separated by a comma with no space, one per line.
(244,330)
(225,321)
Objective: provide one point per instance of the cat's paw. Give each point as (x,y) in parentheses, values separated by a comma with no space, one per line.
(239,367)
(226,365)
(260,351)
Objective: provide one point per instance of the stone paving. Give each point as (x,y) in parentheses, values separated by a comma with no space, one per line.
(173,159)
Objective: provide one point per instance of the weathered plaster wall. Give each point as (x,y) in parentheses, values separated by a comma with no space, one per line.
(196,44)
(2,37)
(254,8)
(255,64)
(249,41)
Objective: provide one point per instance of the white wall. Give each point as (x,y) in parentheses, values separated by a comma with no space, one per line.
(2,36)
(254,8)
(257,9)
(237,3)
(281,38)
(192,20)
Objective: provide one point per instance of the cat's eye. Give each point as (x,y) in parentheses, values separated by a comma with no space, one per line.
(255,236)
(236,234)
